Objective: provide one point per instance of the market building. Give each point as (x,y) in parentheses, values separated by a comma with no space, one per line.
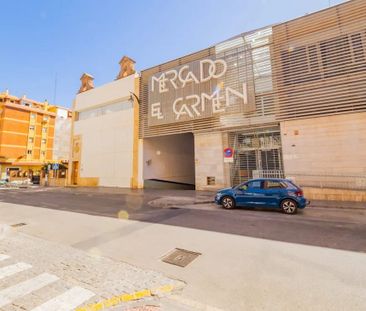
(287,100)
(105,140)
(27,135)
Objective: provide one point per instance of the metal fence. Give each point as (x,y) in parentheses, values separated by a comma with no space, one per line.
(334,181)
(268,174)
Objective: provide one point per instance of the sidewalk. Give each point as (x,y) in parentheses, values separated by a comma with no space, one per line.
(76,277)
(232,273)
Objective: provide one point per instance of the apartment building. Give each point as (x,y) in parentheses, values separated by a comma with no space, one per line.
(27,132)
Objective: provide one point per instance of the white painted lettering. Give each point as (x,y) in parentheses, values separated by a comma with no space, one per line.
(156,111)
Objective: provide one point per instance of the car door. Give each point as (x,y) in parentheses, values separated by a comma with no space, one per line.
(250,194)
(273,191)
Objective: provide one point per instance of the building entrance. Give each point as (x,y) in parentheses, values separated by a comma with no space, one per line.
(258,153)
(169,162)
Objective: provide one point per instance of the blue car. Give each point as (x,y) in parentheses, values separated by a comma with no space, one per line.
(264,192)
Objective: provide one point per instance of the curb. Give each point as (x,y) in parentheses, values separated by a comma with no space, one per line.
(160,291)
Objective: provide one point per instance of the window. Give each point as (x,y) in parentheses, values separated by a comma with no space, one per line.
(31,128)
(44,129)
(329,58)
(33,115)
(290,185)
(43,153)
(273,184)
(30,139)
(29,152)
(45,118)
(254,184)
(251,185)
(336,55)
(43,141)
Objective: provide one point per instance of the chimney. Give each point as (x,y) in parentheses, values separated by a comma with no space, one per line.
(86,83)
(127,67)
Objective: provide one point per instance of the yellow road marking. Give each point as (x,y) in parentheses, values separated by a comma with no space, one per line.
(113,301)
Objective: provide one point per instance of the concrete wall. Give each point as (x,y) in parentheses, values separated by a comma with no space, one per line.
(107,140)
(333,145)
(209,160)
(106,93)
(169,158)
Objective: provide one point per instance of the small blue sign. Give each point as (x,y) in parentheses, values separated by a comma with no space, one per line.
(55,166)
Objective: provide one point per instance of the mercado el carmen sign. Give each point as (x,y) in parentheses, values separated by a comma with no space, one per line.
(200,89)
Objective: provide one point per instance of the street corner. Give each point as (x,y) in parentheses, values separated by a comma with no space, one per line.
(69,277)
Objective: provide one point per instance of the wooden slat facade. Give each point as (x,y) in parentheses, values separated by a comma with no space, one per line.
(308,67)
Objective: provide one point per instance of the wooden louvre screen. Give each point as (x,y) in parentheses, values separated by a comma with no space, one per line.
(311,66)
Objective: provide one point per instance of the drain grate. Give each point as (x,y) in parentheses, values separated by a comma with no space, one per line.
(180,257)
(21,224)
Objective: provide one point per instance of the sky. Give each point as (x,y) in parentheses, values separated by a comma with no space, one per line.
(46,45)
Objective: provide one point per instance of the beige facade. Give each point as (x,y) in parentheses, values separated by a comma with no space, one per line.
(289,100)
(332,147)
(103,137)
(209,161)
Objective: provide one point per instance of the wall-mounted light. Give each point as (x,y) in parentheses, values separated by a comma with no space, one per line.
(133,95)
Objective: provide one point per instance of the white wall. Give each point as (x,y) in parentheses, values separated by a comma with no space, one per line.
(107,140)
(110,92)
(171,158)
(61,146)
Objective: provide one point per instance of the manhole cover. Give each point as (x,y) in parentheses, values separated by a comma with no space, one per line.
(180,257)
(18,225)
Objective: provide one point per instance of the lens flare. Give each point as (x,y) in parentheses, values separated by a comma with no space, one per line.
(123,214)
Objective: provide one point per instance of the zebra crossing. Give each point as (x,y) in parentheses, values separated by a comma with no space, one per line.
(67,301)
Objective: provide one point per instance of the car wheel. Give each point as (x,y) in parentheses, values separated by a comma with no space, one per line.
(289,206)
(228,202)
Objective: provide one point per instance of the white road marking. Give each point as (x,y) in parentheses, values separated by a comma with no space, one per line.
(12,269)
(3,257)
(7,295)
(67,301)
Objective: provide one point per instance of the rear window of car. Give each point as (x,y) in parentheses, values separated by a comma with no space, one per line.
(274,184)
(291,186)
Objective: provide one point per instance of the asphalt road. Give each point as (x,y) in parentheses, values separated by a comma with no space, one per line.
(326,227)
